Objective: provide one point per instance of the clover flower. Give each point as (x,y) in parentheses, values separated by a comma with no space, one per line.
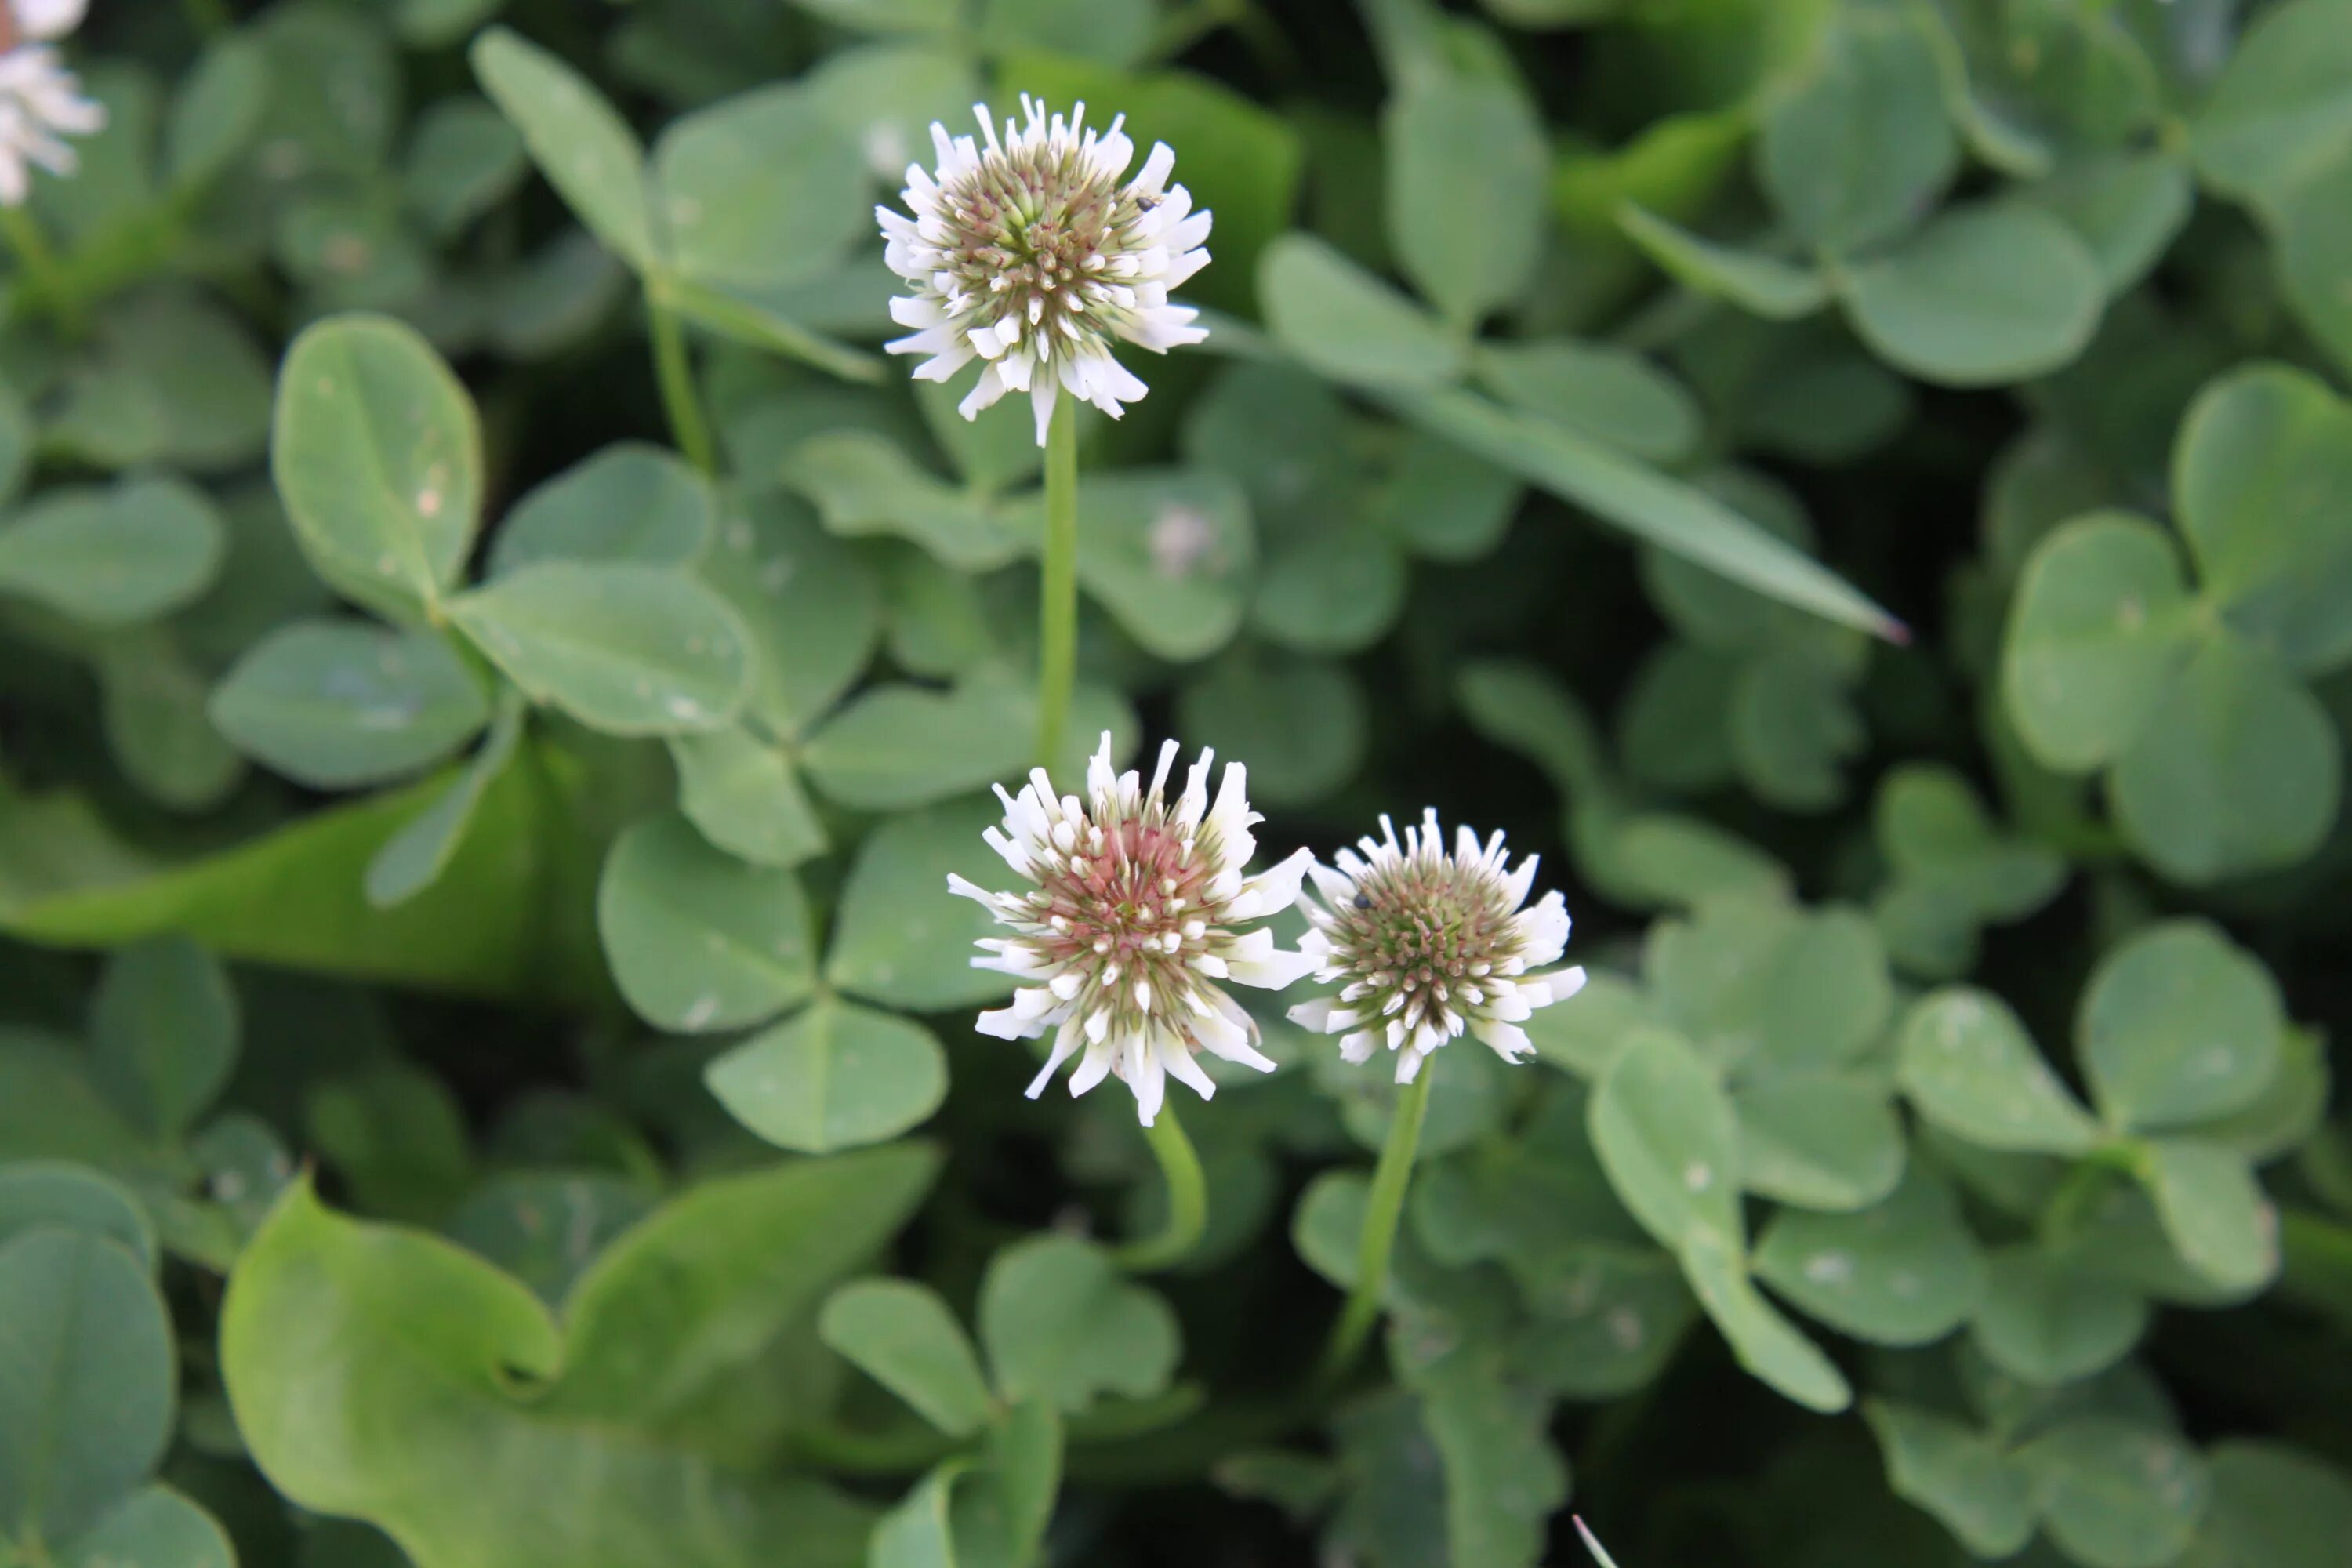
(1028,252)
(1430,944)
(40,99)
(1134,919)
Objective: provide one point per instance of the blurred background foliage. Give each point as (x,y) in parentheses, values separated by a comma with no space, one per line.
(1862,486)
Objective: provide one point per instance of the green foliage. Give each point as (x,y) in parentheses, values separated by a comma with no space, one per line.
(497,664)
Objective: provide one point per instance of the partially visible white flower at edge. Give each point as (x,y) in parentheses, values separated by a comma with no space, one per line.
(1430,944)
(1134,919)
(40,99)
(1026,252)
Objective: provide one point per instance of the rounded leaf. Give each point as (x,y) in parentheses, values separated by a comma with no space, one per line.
(2099,628)
(1983,296)
(2113,1494)
(1061,1323)
(2179,1026)
(338,703)
(1348,324)
(698,941)
(901,1334)
(1666,1135)
(378,456)
(629,502)
(630,650)
(2045,1319)
(1967,1063)
(835,1075)
(1906,1271)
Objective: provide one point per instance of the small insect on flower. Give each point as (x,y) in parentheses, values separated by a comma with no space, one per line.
(1027,252)
(40,99)
(1135,917)
(1429,944)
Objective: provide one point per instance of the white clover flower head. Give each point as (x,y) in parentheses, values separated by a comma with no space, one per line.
(1135,916)
(1027,252)
(1430,944)
(40,99)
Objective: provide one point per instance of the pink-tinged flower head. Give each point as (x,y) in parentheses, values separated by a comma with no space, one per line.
(1133,922)
(1430,944)
(1028,253)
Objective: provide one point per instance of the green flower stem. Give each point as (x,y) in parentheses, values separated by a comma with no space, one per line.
(1389,1179)
(1188,1194)
(1057,603)
(50,284)
(675,373)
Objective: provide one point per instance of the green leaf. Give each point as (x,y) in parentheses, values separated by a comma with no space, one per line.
(1667,1135)
(2260,461)
(1793,726)
(53,1194)
(1817,1140)
(901,1334)
(2045,1319)
(1906,1271)
(761,188)
(585,149)
(2179,1026)
(1760,284)
(1168,552)
(215,111)
(1759,984)
(378,456)
(1060,1324)
(746,797)
(1660,510)
(2214,1211)
(163,1030)
(2115,1495)
(2127,207)
(1966,1063)
(836,1076)
(398,1137)
(153,709)
(900,746)
(916,1533)
(156,1527)
(631,650)
(698,941)
(114,556)
(1503,1476)
(1764,1341)
(1303,723)
(377,1373)
(630,502)
(414,859)
(1345,323)
(760,325)
(338,703)
(672,1311)
(901,939)
(464,158)
(1982,296)
(545,1227)
(809,604)
(2100,625)
(2237,769)
(2282,112)
(1608,393)
(1466,163)
(170,378)
(86,1381)
(1955,1473)
(1114,32)
(2272,1507)
(1858,145)
(862,484)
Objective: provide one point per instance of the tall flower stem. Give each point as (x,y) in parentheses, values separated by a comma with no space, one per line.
(676,374)
(41,266)
(1389,1179)
(1188,1198)
(1057,603)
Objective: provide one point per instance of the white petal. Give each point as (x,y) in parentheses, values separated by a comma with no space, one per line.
(1041,402)
(48,19)
(1510,1041)
(1145,1077)
(1314,1015)
(1065,1040)
(1276,888)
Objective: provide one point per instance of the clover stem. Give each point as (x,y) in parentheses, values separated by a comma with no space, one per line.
(1188,1195)
(50,283)
(676,375)
(1385,1208)
(1057,603)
